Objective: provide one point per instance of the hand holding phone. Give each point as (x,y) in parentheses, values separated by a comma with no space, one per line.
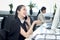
(25,17)
(28,20)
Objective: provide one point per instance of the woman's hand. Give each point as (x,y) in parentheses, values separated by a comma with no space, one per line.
(37,22)
(28,21)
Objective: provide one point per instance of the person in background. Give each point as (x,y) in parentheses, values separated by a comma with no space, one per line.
(41,16)
(20,27)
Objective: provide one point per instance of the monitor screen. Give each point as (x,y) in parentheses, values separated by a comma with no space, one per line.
(56,19)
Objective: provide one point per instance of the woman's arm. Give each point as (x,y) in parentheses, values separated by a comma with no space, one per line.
(28,21)
(27,34)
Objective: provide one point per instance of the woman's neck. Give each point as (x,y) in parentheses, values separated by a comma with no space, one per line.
(20,17)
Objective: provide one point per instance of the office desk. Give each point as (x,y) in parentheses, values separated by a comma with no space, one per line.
(42,33)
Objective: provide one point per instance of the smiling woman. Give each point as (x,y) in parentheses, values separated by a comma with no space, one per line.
(19,27)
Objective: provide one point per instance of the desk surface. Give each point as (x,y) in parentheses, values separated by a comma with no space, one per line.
(42,29)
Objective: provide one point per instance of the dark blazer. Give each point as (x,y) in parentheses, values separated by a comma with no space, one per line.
(10,29)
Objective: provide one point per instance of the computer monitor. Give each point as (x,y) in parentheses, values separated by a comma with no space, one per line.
(56,19)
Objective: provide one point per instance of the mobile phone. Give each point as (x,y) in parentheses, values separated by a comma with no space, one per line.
(25,17)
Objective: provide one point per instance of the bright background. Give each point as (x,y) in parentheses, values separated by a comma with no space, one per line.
(49,4)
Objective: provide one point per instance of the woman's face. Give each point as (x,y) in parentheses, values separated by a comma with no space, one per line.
(44,11)
(23,12)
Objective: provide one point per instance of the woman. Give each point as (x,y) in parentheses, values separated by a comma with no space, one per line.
(20,27)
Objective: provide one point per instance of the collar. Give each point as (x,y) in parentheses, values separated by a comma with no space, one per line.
(19,20)
(22,21)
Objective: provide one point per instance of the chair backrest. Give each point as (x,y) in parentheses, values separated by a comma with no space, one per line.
(8,18)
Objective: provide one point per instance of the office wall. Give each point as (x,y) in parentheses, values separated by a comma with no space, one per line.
(4,4)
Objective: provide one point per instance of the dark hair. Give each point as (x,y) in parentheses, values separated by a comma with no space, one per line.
(18,9)
(43,8)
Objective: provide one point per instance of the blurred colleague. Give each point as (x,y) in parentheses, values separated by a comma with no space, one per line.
(41,16)
(20,27)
